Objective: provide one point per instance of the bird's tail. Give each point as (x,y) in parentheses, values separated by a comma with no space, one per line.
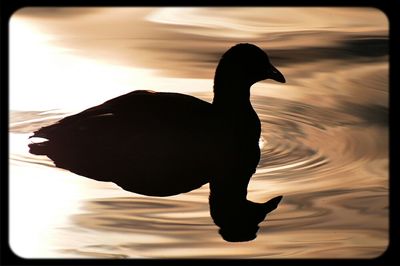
(39,148)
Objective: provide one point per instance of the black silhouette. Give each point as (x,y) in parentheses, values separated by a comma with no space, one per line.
(163,144)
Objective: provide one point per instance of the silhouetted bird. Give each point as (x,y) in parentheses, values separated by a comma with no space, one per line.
(163,144)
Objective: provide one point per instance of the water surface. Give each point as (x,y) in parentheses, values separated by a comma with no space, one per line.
(324,133)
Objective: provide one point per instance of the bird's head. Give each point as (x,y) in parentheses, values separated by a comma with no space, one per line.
(245,64)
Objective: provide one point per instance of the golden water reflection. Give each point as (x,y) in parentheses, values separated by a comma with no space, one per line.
(324,132)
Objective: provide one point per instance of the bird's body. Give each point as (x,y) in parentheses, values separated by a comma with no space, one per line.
(163,144)
(156,144)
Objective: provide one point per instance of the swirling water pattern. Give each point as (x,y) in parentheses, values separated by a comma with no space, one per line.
(324,147)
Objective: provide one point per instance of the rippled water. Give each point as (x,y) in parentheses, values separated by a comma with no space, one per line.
(324,148)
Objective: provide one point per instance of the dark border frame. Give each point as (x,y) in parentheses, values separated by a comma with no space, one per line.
(389,257)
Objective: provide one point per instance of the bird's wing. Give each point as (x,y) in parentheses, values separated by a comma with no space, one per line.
(134,107)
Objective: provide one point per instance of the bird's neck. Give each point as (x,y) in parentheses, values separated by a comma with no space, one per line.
(229,188)
(231,95)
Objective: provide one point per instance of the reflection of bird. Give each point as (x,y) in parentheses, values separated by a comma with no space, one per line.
(238,218)
(163,144)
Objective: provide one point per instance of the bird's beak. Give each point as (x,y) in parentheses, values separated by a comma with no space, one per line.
(272,204)
(276,75)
